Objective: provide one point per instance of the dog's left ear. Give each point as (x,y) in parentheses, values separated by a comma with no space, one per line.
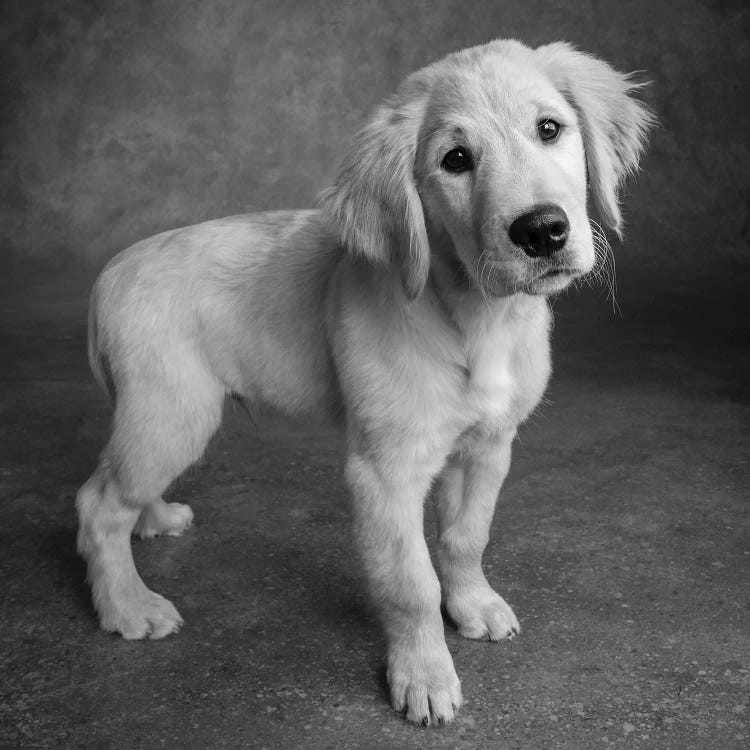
(614,123)
(374,204)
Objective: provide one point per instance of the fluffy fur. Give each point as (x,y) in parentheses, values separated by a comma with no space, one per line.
(401,305)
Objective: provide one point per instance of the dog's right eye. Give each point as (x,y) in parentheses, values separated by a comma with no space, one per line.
(458,160)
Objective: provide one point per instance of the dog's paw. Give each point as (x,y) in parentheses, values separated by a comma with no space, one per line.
(163,519)
(140,614)
(480,612)
(423,684)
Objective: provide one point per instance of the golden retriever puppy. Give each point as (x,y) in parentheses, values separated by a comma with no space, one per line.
(412,304)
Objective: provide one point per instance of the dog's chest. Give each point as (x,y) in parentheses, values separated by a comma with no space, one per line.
(507,367)
(491,382)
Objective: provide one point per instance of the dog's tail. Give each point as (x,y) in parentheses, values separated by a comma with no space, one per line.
(98,361)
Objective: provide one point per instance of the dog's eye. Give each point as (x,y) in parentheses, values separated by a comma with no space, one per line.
(458,160)
(548,129)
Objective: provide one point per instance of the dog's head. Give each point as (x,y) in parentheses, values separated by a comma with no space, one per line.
(487,158)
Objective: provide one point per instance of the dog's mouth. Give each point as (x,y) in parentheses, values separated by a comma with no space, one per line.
(553,280)
(553,273)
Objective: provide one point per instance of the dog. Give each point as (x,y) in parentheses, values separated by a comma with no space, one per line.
(411,306)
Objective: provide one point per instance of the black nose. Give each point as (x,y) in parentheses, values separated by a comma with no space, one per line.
(540,232)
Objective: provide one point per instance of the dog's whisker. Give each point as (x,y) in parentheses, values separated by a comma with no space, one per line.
(604,271)
(485,258)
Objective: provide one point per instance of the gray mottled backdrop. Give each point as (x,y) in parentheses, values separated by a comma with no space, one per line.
(120,119)
(622,539)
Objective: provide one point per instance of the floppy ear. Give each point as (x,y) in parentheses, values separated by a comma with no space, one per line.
(375,205)
(614,123)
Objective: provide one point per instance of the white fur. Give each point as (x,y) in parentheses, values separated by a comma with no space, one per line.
(401,306)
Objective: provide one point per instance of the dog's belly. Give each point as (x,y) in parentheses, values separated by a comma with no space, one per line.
(293,380)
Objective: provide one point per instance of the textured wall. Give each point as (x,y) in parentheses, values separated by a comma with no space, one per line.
(120,119)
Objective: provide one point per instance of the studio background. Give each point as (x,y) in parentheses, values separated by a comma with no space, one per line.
(123,119)
(623,536)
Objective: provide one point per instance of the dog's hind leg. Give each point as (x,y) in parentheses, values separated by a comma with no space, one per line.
(160,518)
(158,432)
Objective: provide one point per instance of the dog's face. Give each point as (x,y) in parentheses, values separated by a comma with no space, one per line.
(501,172)
(488,156)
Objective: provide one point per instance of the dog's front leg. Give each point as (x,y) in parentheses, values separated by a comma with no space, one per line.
(465,500)
(388,497)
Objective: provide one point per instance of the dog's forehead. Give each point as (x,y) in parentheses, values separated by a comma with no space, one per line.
(506,83)
(492,86)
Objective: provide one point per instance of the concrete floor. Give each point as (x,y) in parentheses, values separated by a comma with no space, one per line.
(621,540)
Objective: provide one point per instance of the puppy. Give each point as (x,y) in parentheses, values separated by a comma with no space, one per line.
(412,304)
